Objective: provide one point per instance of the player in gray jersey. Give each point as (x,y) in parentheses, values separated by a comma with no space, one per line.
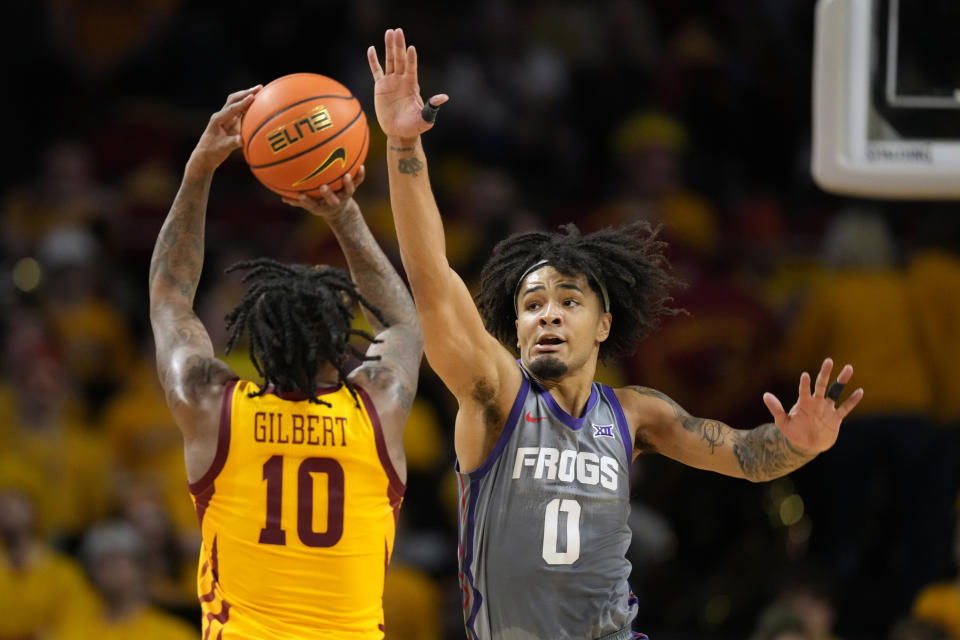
(543,451)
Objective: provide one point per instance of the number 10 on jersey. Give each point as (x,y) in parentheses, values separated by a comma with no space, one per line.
(273,532)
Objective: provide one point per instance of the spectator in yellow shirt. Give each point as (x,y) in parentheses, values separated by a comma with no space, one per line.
(112,554)
(862,494)
(40,588)
(940,602)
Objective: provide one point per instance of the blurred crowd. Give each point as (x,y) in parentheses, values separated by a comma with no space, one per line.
(694,115)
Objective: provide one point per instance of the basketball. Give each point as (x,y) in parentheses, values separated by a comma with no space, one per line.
(303,131)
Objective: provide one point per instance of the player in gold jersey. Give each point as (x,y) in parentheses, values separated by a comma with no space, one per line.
(298,483)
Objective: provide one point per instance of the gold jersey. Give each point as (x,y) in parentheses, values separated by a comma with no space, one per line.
(298,515)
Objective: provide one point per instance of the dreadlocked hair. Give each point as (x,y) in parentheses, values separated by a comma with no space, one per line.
(628,260)
(298,318)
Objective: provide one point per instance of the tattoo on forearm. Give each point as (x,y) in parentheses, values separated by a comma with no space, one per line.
(178,255)
(764,454)
(410,165)
(379,283)
(402,149)
(375,277)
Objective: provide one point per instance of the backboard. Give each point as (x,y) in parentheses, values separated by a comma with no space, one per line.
(886,98)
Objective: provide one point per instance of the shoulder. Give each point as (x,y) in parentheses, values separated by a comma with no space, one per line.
(195,400)
(646,403)
(390,389)
(650,414)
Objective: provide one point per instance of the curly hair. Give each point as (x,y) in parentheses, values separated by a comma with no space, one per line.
(629,261)
(298,318)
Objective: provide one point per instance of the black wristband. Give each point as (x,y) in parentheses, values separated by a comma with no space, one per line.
(429,112)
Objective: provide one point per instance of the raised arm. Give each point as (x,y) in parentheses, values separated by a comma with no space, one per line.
(766,452)
(191,376)
(392,378)
(479,371)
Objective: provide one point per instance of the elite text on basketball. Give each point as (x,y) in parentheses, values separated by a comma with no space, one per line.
(317,119)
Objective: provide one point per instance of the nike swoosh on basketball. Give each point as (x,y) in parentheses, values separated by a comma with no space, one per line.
(529,419)
(337,154)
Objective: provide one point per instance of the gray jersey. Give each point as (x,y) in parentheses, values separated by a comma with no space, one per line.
(543,524)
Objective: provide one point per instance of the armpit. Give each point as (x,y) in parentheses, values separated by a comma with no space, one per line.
(485,396)
(641,444)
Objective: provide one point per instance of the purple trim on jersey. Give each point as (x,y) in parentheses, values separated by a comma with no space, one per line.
(566,418)
(223,446)
(624,428)
(508,429)
(477,597)
(475,476)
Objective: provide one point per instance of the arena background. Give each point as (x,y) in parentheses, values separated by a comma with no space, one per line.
(694,115)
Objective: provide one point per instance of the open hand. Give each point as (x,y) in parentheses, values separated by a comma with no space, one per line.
(396,93)
(222,134)
(814,421)
(329,204)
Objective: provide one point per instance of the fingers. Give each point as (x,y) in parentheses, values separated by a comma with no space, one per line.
(804,389)
(238,96)
(346,191)
(360,177)
(329,197)
(432,107)
(850,403)
(411,61)
(374,62)
(438,99)
(845,374)
(314,204)
(238,107)
(823,377)
(399,51)
(350,184)
(775,407)
(388,58)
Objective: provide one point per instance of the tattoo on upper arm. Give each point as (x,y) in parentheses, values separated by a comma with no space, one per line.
(712,432)
(402,389)
(410,165)
(177,331)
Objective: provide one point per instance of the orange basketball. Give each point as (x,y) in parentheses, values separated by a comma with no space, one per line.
(303,131)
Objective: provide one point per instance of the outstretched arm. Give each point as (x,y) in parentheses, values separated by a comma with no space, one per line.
(763,453)
(478,370)
(400,349)
(190,374)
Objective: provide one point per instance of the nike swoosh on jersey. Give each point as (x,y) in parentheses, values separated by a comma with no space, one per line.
(529,419)
(337,154)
